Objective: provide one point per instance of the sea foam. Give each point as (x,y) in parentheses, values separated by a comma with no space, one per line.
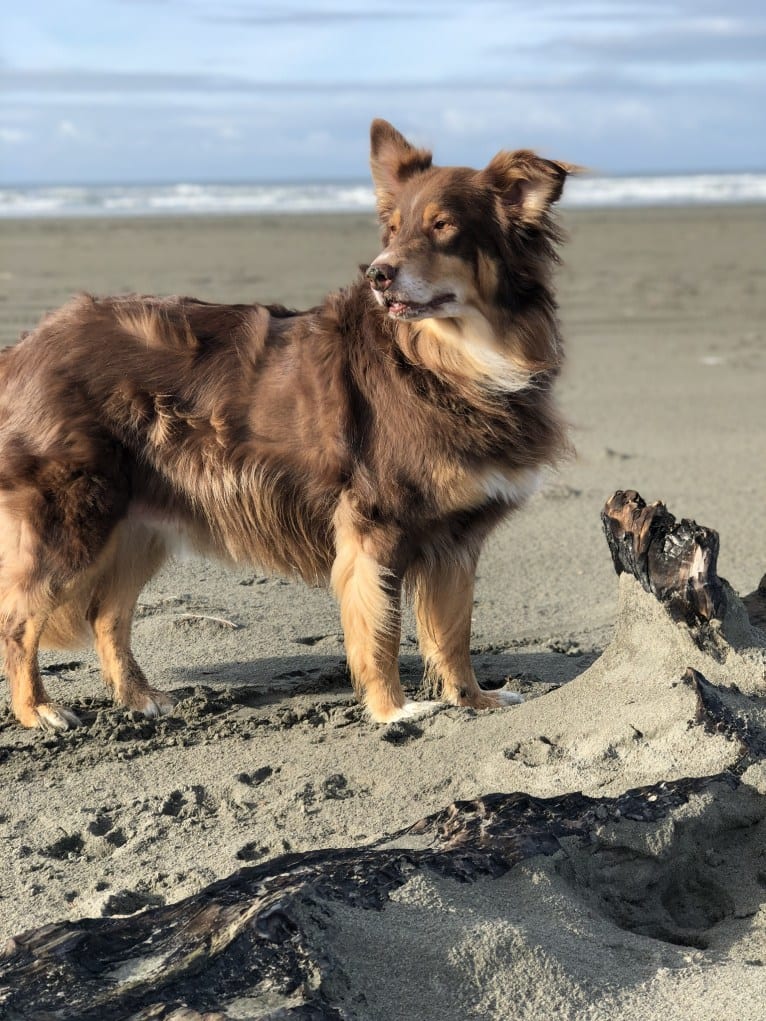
(221,199)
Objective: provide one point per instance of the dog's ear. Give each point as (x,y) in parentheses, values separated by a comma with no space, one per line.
(527,184)
(392,161)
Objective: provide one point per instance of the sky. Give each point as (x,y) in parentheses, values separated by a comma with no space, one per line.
(119,91)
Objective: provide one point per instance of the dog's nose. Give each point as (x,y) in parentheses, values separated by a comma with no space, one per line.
(381,275)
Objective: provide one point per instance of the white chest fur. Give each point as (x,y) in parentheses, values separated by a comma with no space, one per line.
(511,487)
(461,490)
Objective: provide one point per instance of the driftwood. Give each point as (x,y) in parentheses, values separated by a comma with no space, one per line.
(243,936)
(674,560)
(246,936)
(755,604)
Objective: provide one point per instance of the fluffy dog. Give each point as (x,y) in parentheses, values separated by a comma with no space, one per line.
(372,442)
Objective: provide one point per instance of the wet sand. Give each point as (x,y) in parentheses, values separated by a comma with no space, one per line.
(664,313)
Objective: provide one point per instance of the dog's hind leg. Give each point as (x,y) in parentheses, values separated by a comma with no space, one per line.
(368,588)
(54,524)
(443,608)
(29,700)
(136,555)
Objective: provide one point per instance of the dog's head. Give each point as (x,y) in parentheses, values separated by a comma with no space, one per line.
(459,243)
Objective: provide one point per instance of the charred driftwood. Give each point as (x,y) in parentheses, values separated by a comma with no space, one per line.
(717,718)
(245,936)
(674,560)
(755,604)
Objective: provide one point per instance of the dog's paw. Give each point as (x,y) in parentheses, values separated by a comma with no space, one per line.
(156,703)
(50,716)
(509,697)
(497,699)
(481,699)
(410,711)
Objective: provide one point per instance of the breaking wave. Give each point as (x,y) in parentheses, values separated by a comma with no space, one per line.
(223,199)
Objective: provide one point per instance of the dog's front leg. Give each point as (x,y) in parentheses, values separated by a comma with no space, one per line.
(367,583)
(443,608)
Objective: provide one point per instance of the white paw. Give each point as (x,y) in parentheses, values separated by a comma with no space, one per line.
(157,703)
(412,711)
(56,717)
(509,697)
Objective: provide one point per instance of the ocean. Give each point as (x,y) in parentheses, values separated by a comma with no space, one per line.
(221,199)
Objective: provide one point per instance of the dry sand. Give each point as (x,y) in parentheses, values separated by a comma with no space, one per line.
(664,314)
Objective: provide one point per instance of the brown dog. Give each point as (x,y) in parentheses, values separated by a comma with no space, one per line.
(372,442)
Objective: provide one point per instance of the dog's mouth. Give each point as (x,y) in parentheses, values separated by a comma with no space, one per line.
(400,309)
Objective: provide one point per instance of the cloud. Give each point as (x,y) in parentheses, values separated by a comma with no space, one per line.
(12,136)
(337,13)
(101,86)
(68,129)
(312,17)
(98,82)
(219,126)
(688,41)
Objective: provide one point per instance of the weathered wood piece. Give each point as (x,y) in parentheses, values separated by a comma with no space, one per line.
(244,936)
(755,604)
(674,560)
(716,718)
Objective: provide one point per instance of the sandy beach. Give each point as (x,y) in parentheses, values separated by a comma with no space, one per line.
(267,753)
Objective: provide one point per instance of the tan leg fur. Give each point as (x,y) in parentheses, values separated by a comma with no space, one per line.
(443,608)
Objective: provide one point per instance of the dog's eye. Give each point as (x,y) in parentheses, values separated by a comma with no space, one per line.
(392,228)
(440,224)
